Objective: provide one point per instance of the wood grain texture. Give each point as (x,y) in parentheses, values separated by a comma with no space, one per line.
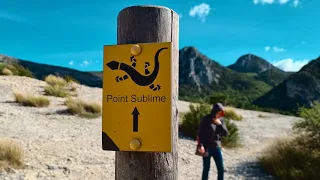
(150,24)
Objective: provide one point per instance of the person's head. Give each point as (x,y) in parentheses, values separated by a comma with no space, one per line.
(217,110)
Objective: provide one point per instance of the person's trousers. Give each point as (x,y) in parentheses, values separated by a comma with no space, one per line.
(217,156)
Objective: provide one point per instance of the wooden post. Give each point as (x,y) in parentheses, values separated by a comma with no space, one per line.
(150,24)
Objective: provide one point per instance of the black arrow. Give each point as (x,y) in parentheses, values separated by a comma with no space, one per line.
(135,114)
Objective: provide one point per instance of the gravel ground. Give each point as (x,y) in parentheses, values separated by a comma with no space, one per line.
(58,146)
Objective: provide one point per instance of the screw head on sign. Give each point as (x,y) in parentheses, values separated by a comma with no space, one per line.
(135,144)
(135,49)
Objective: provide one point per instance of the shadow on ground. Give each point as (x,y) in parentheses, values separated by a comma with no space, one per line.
(182,136)
(250,170)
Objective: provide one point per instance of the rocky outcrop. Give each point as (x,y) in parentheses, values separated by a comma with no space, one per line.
(299,89)
(197,70)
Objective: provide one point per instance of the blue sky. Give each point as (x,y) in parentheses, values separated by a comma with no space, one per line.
(72,33)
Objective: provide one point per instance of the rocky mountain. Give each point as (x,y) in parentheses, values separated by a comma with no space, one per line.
(299,89)
(264,70)
(250,63)
(199,76)
(41,70)
(197,70)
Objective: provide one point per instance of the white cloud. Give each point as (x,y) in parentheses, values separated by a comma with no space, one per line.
(84,63)
(283,1)
(263,1)
(267,1)
(71,63)
(290,64)
(274,48)
(267,48)
(294,2)
(201,11)
(277,49)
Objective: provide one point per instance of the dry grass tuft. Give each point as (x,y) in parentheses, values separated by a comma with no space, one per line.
(60,87)
(231,114)
(55,80)
(73,88)
(286,159)
(33,101)
(262,116)
(83,109)
(11,155)
(7,72)
(56,90)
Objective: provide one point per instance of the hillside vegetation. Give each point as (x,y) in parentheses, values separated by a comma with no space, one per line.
(299,157)
(202,79)
(13,68)
(301,89)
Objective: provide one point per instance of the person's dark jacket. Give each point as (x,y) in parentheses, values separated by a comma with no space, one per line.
(210,134)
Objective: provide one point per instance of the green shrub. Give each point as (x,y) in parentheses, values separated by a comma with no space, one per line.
(218,98)
(16,69)
(10,155)
(21,71)
(233,138)
(181,116)
(2,66)
(83,109)
(56,90)
(309,127)
(191,120)
(231,114)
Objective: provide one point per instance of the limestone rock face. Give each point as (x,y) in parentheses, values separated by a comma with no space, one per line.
(197,70)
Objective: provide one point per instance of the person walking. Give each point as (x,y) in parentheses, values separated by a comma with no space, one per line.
(210,131)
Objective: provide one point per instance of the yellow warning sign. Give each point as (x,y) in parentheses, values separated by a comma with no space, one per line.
(137,97)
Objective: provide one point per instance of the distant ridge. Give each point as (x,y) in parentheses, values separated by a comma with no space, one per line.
(299,89)
(40,70)
(250,63)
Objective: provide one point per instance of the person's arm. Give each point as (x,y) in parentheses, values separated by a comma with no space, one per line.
(224,130)
(201,132)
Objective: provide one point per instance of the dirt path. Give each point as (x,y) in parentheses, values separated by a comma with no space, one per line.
(67,147)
